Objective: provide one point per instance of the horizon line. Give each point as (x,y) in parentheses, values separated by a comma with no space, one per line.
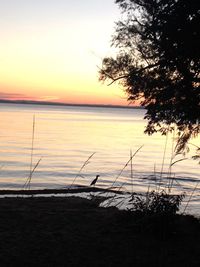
(52,103)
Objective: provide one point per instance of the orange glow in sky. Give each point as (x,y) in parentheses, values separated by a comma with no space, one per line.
(50,50)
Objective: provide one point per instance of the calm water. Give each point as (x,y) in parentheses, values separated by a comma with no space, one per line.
(66,136)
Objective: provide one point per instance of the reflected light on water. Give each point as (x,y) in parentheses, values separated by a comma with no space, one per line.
(66,136)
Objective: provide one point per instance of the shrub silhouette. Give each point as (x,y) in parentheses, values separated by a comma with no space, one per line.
(156,203)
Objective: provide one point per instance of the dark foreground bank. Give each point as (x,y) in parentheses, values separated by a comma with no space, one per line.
(73,231)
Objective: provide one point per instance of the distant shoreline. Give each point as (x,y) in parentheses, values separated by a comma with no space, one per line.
(32,102)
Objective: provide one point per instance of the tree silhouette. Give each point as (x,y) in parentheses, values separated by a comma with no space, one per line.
(158,62)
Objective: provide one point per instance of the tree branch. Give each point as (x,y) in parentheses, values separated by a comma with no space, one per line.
(127,75)
(118,78)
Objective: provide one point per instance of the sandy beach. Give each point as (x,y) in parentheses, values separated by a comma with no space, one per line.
(72,231)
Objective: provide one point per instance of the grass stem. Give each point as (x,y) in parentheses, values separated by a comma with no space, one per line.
(82,167)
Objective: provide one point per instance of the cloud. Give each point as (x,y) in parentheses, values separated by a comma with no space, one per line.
(48,98)
(4,95)
(15,96)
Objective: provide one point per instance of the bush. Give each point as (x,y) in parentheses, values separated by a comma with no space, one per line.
(156,203)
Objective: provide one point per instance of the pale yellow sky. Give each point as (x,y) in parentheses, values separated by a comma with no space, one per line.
(50,50)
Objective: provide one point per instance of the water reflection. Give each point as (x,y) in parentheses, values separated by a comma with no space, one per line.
(66,136)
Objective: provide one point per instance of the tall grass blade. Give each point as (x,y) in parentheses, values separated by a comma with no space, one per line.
(177,161)
(32,143)
(131,154)
(28,181)
(82,167)
(171,183)
(171,160)
(155,175)
(186,206)
(164,155)
(163,161)
(130,159)
(32,151)
(171,179)
(120,173)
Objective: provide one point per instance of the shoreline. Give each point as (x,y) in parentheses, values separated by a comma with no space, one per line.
(108,197)
(77,189)
(46,103)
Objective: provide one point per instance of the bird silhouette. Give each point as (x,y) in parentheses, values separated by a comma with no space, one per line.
(95,180)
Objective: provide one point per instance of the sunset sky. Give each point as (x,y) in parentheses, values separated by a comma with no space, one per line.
(50,50)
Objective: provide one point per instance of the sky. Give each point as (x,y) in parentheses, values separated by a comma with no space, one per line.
(50,50)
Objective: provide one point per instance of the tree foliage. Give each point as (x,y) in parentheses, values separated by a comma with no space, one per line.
(158,62)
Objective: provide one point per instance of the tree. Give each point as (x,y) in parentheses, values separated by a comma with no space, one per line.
(158,62)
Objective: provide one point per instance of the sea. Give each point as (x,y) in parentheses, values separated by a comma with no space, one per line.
(64,146)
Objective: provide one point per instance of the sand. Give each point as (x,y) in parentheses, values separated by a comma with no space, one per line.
(72,231)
